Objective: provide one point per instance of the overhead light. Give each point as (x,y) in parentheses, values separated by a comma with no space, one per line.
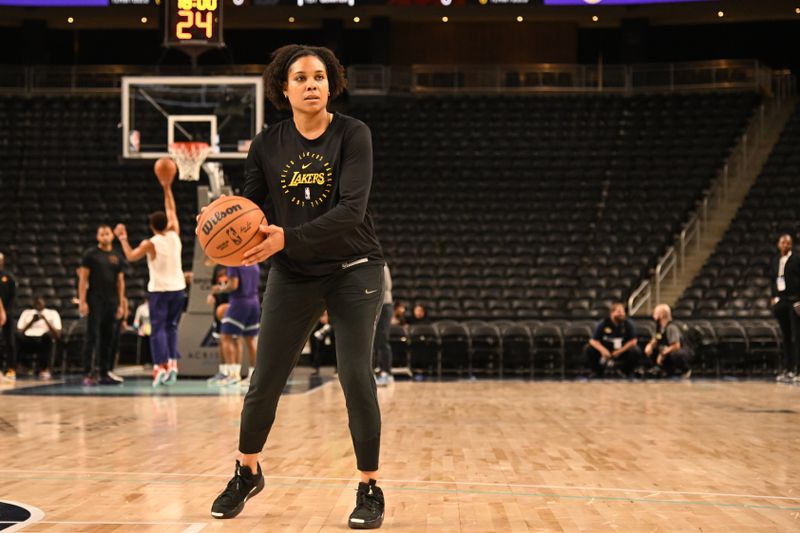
(797,10)
(720,14)
(445,19)
(144,20)
(238,2)
(70,20)
(520,19)
(595,18)
(356,19)
(291,20)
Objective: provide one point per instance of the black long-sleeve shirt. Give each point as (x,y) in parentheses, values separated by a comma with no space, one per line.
(317,191)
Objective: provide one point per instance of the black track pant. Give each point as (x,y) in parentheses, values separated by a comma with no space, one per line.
(790,328)
(383,349)
(291,308)
(626,361)
(99,336)
(9,341)
(40,349)
(676,362)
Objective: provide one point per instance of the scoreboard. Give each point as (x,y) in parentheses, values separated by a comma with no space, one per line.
(193,22)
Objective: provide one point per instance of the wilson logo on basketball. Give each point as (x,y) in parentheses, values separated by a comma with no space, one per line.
(308,180)
(218,217)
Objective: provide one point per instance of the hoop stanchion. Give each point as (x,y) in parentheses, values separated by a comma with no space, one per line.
(189,157)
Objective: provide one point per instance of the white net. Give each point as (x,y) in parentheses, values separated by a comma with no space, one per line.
(189,157)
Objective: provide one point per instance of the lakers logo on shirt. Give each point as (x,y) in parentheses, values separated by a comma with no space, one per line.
(307,180)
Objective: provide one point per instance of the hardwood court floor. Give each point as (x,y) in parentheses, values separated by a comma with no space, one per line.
(460,456)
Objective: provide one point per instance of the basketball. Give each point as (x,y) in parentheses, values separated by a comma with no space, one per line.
(165,170)
(228,228)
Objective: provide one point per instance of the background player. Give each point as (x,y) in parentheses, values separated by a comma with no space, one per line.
(167,283)
(241,319)
(218,300)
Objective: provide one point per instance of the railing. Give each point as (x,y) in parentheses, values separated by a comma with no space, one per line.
(640,297)
(733,171)
(43,79)
(667,265)
(690,233)
(693,230)
(379,79)
(627,79)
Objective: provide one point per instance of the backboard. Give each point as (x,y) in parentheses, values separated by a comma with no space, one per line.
(224,111)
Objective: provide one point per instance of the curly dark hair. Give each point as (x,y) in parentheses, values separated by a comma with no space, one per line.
(277,72)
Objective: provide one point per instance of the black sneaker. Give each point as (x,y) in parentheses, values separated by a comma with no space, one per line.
(243,486)
(108,380)
(368,513)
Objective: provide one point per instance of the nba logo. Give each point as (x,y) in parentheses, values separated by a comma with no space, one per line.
(308,193)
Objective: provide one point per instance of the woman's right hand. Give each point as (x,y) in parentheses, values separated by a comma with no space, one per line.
(200,214)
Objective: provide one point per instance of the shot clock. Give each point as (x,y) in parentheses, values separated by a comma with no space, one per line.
(193,22)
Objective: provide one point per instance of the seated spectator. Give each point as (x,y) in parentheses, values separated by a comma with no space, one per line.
(38,328)
(419,315)
(399,315)
(613,344)
(667,352)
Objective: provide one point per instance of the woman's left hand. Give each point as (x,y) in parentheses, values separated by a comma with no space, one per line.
(270,246)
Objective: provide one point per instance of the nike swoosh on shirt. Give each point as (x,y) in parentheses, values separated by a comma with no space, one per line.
(306,166)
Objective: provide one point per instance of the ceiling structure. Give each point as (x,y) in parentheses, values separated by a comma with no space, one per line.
(287,14)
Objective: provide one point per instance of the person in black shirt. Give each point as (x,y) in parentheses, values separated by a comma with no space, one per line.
(101,288)
(8,291)
(614,344)
(312,176)
(785,276)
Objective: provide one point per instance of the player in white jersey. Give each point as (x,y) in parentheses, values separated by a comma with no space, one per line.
(167,285)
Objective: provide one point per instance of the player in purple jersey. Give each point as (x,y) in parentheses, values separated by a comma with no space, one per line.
(241,320)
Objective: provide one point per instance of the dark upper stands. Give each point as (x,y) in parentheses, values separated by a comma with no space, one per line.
(545,206)
(61,176)
(514,209)
(735,281)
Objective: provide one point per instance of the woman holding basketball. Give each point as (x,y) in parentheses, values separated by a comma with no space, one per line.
(311,175)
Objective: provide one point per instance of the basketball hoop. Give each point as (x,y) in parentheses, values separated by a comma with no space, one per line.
(189,157)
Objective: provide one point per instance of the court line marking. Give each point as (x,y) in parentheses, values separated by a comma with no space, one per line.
(545,495)
(193,527)
(423,482)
